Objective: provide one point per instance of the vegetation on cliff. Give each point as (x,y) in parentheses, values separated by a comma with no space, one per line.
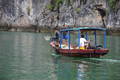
(52,13)
(54,4)
(112,4)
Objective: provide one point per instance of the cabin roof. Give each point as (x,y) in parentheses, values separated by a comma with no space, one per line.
(84,28)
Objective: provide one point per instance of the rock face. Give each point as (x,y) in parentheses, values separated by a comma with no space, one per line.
(52,13)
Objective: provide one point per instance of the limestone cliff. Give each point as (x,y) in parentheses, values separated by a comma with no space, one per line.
(52,13)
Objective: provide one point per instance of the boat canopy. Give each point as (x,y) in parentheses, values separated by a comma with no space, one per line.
(84,28)
(95,29)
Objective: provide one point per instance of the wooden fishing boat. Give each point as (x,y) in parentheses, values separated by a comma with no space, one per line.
(97,51)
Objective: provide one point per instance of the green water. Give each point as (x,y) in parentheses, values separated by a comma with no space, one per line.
(28,56)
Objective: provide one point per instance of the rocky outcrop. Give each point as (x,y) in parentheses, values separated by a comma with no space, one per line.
(52,13)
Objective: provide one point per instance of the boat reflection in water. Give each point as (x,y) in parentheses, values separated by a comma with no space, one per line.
(69,68)
(82,68)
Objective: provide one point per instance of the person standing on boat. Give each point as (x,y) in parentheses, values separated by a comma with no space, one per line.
(56,38)
(57,35)
(83,42)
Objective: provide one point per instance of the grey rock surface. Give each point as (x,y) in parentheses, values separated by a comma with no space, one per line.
(26,13)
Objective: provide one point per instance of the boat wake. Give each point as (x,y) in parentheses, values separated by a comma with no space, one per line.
(106,60)
(55,55)
(47,38)
(89,59)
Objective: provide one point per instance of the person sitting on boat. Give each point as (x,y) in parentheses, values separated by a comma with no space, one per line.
(64,41)
(83,42)
(65,45)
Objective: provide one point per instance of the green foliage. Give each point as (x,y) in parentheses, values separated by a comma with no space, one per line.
(58,2)
(112,3)
(54,4)
(28,10)
(77,10)
(68,2)
(50,7)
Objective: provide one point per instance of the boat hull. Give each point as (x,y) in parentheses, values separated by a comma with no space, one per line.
(80,52)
